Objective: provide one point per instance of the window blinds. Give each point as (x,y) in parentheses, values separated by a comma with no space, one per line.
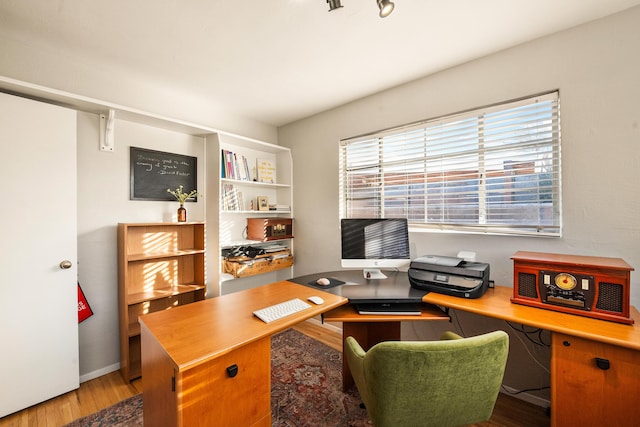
(494,170)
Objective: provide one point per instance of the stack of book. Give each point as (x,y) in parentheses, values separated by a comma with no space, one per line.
(275,247)
(235,166)
(279,208)
(231,198)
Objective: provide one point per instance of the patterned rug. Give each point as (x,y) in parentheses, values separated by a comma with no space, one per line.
(306,390)
(306,385)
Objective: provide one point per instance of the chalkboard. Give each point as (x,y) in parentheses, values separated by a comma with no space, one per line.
(153,172)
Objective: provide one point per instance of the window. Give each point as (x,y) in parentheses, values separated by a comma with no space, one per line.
(492,170)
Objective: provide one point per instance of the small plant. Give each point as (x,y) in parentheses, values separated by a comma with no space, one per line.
(181,196)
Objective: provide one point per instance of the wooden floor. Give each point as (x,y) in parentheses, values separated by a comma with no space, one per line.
(92,396)
(111,388)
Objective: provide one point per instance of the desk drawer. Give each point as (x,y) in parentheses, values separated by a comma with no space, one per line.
(585,393)
(210,396)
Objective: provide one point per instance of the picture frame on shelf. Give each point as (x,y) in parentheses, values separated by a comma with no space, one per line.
(266,171)
(263,203)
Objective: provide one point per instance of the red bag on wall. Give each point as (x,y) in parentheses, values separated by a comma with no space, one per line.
(84,310)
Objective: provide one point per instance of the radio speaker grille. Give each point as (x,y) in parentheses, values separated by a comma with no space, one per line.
(610,297)
(527,285)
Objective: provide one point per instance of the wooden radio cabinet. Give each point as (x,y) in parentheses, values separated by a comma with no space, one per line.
(265,229)
(597,287)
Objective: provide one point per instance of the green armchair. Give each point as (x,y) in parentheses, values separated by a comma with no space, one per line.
(451,382)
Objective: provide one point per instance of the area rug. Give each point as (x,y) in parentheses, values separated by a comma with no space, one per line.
(306,385)
(306,390)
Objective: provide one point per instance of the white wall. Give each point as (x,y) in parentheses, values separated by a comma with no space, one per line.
(596,69)
(103,202)
(54,67)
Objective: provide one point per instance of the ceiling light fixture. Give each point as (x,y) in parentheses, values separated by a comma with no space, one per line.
(334,4)
(386,7)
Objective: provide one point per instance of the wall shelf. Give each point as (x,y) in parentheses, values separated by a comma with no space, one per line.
(253,183)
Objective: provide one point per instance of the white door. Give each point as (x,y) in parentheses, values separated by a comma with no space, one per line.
(38,298)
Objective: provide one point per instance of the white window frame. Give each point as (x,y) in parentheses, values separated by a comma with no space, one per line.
(493,170)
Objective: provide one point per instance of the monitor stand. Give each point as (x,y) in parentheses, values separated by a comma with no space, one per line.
(370,273)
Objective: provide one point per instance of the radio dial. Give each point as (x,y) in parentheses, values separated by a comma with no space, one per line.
(565,281)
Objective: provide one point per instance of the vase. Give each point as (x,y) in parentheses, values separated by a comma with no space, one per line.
(182,213)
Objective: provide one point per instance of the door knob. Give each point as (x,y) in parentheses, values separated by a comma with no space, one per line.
(65,265)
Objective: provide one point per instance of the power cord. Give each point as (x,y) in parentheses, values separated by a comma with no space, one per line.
(536,331)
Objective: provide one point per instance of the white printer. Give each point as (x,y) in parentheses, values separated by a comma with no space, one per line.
(449,275)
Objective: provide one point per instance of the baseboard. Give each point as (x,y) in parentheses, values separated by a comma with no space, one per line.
(530,398)
(100,372)
(332,328)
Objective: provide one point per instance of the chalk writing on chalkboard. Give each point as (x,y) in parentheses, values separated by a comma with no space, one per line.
(153,172)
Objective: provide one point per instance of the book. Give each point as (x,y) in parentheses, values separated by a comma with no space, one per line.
(223,166)
(266,170)
(232,199)
(279,208)
(235,166)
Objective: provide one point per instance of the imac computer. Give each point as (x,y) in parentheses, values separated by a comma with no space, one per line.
(374,244)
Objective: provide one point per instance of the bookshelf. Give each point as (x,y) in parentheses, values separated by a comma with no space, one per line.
(249,174)
(160,266)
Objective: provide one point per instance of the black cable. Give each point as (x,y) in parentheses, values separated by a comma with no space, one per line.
(522,329)
(537,331)
(513,393)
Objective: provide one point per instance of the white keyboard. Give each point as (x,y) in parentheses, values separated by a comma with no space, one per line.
(283,309)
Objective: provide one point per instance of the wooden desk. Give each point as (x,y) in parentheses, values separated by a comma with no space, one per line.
(581,392)
(186,352)
(370,329)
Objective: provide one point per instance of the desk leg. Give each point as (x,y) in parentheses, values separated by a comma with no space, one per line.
(367,334)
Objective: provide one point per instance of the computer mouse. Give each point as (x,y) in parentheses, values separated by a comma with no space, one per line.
(316,300)
(323,281)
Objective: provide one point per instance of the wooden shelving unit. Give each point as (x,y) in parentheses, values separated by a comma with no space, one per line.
(234,200)
(160,266)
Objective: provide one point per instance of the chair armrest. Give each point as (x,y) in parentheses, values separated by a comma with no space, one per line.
(355,354)
(353,346)
(448,335)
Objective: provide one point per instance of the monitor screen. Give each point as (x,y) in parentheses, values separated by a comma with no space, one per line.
(374,244)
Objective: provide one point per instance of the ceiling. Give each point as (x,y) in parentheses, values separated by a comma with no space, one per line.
(277,61)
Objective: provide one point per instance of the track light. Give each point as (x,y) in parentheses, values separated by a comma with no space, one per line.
(334,4)
(386,7)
